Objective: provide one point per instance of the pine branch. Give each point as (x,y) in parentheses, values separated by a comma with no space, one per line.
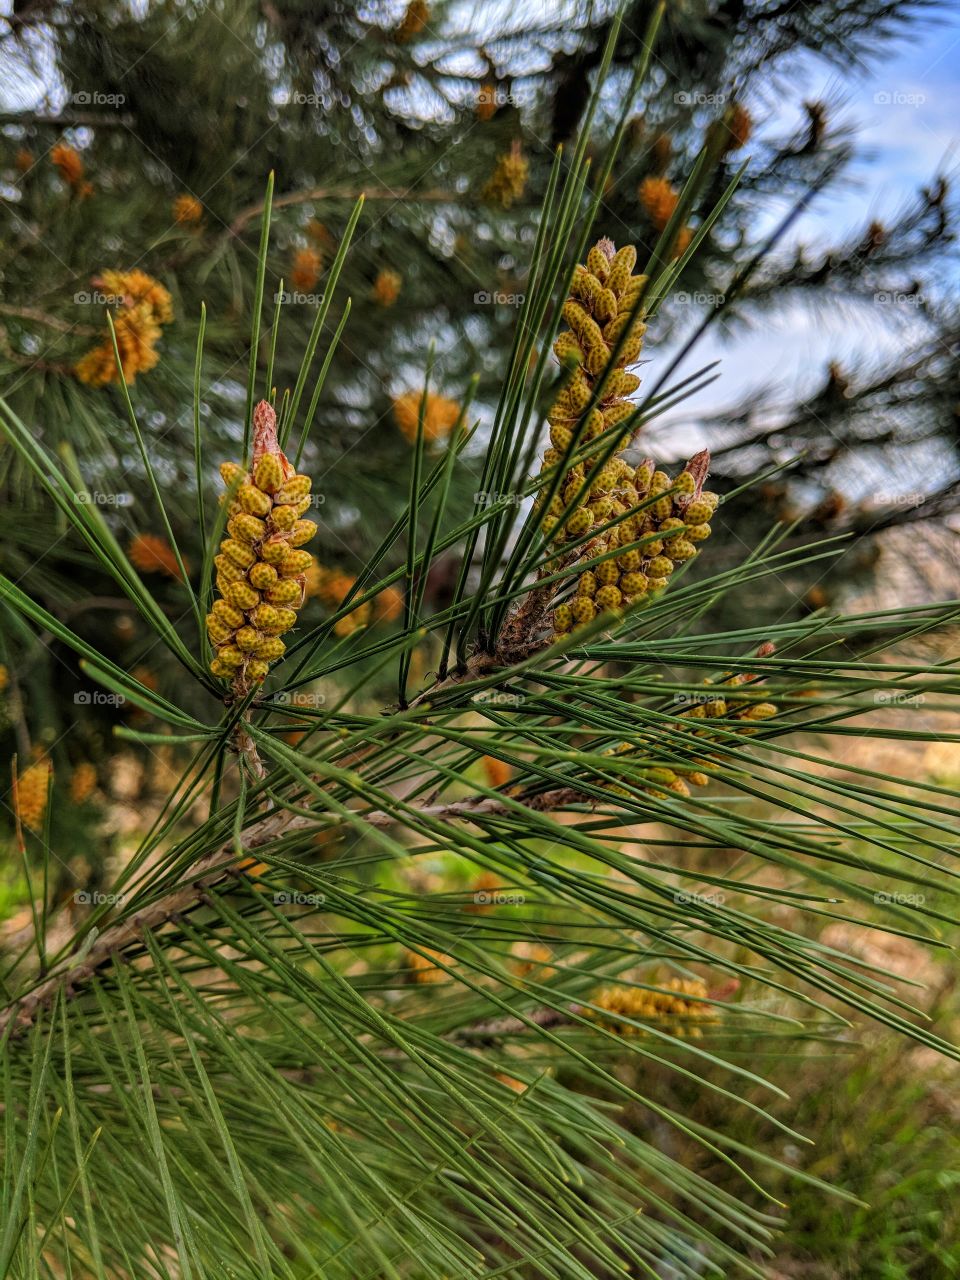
(193,890)
(350,194)
(70,119)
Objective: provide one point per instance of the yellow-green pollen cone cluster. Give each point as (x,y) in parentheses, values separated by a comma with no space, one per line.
(669,518)
(600,314)
(603,295)
(260,566)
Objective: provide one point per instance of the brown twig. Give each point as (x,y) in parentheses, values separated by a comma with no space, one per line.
(246,748)
(212,869)
(519,638)
(521,632)
(342,193)
(69,119)
(44,317)
(497,1028)
(207,871)
(29,362)
(479,665)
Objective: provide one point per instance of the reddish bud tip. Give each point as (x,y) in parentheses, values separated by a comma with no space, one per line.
(698,466)
(264,430)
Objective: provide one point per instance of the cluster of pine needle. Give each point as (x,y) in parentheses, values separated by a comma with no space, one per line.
(282,1045)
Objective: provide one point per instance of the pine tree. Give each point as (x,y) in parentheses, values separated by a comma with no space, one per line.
(276,1039)
(142,153)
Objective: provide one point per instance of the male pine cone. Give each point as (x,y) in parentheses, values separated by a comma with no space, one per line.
(260,567)
(654,522)
(666,521)
(604,295)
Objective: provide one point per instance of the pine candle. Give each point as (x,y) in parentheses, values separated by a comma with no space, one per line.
(260,567)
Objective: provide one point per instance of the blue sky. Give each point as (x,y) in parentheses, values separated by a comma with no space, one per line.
(907,110)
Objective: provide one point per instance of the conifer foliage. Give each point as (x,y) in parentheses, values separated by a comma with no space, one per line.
(274,1040)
